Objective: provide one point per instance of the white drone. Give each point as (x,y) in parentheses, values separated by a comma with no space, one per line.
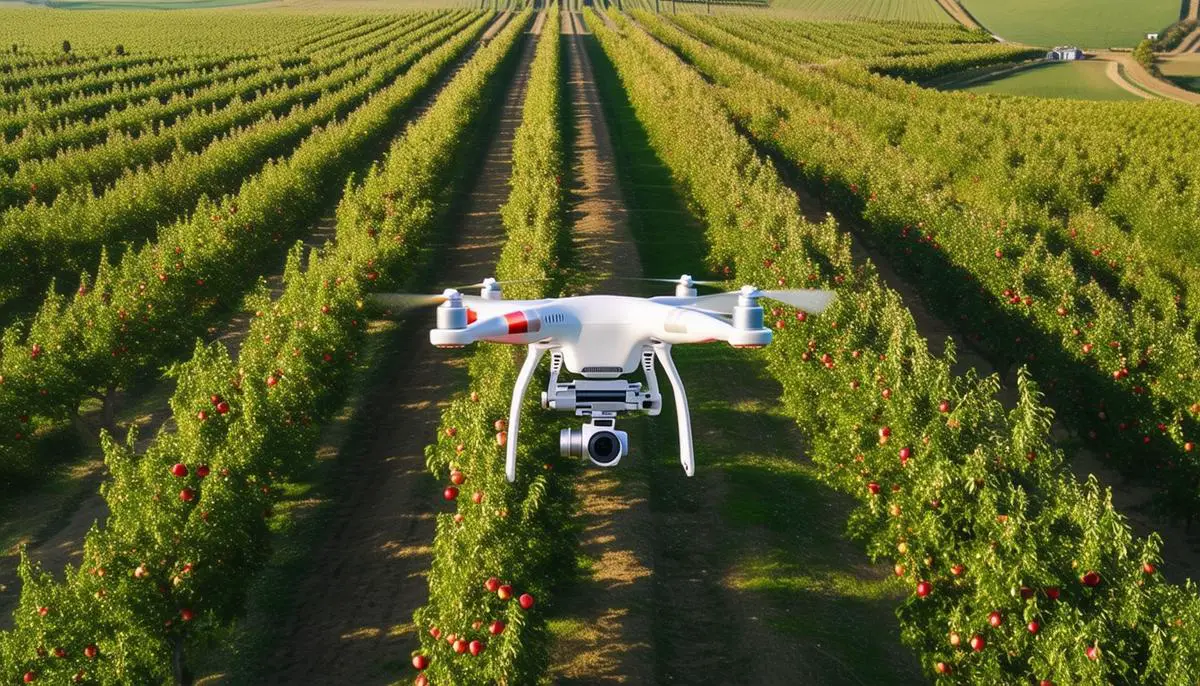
(601,338)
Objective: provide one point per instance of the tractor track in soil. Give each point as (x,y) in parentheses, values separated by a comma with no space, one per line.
(614,511)
(353,614)
(663,598)
(57,541)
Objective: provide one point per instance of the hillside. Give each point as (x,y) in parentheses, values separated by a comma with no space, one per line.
(1087,23)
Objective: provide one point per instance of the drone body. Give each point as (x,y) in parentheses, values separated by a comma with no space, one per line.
(601,338)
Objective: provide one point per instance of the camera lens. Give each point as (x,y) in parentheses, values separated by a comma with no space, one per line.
(604,448)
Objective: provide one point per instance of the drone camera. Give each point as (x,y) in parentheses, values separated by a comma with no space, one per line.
(599,442)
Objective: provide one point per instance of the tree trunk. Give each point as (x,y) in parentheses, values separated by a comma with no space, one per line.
(109,420)
(182,676)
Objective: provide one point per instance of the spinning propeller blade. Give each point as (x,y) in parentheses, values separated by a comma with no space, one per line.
(811,301)
(498,283)
(403,302)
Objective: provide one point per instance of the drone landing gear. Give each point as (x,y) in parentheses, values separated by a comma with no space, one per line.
(601,401)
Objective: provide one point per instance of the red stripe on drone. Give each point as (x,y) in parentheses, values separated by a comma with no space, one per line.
(517,323)
(471,316)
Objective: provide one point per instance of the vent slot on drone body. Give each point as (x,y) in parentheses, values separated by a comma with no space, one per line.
(602,370)
(556,318)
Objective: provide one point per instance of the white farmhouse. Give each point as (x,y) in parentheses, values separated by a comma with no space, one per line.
(1064,52)
(1151,36)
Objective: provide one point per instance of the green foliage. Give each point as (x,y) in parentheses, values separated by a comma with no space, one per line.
(138,313)
(172,563)
(1060,252)
(1144,54)
(520,533)
(964,483)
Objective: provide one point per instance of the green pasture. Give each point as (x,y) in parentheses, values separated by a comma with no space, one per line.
(1086,23)
(1077,80)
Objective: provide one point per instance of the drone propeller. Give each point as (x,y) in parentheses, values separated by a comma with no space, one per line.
(812,301)
(488,282)
(403,302)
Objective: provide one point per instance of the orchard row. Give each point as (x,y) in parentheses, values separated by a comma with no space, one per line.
(1051,241)
(187,529)
(138,313)
(1017,571)
(496,556)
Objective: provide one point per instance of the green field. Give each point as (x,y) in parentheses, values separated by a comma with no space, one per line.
(1087,23)
(904,10)
(1079,80)
(1183,71)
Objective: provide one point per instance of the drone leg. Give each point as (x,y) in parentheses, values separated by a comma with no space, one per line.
(686,455)
(514,413)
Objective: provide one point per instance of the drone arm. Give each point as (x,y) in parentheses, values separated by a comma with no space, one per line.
(686,454)
(514,413)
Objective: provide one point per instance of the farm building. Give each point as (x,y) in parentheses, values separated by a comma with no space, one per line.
(1065,52)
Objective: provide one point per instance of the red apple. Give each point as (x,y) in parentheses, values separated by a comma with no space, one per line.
(1045,682)
(420,662)
(457,477)
(477,497)
(179,469)
(942,668)
(91,651)
(977,643)
(501,425)
(476,647)
(202,471)
(421,680)
(995,619)
(186,615)
(496,628)
(502,438)
(924,588)
(957,570)
(435,632)
(504,592)
(873,488)
(1033,626)
(451,431)
(944,406)
(1091,579)
(187,495)
(899,569)
(43,611)
(955,639)
(222,407)
(459,646)
(1092,652)
(525,601)
(272,381)
(29,677)
(450,493)
(905,453)
(1052,592)
(202,415)
(491,584)
(1149,568)
(60,653)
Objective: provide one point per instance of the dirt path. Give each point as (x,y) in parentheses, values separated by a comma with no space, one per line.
(678,595)
(1113,72)
(959,13)
(353,617)
(612,642)
(56,539)
(1135,73)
